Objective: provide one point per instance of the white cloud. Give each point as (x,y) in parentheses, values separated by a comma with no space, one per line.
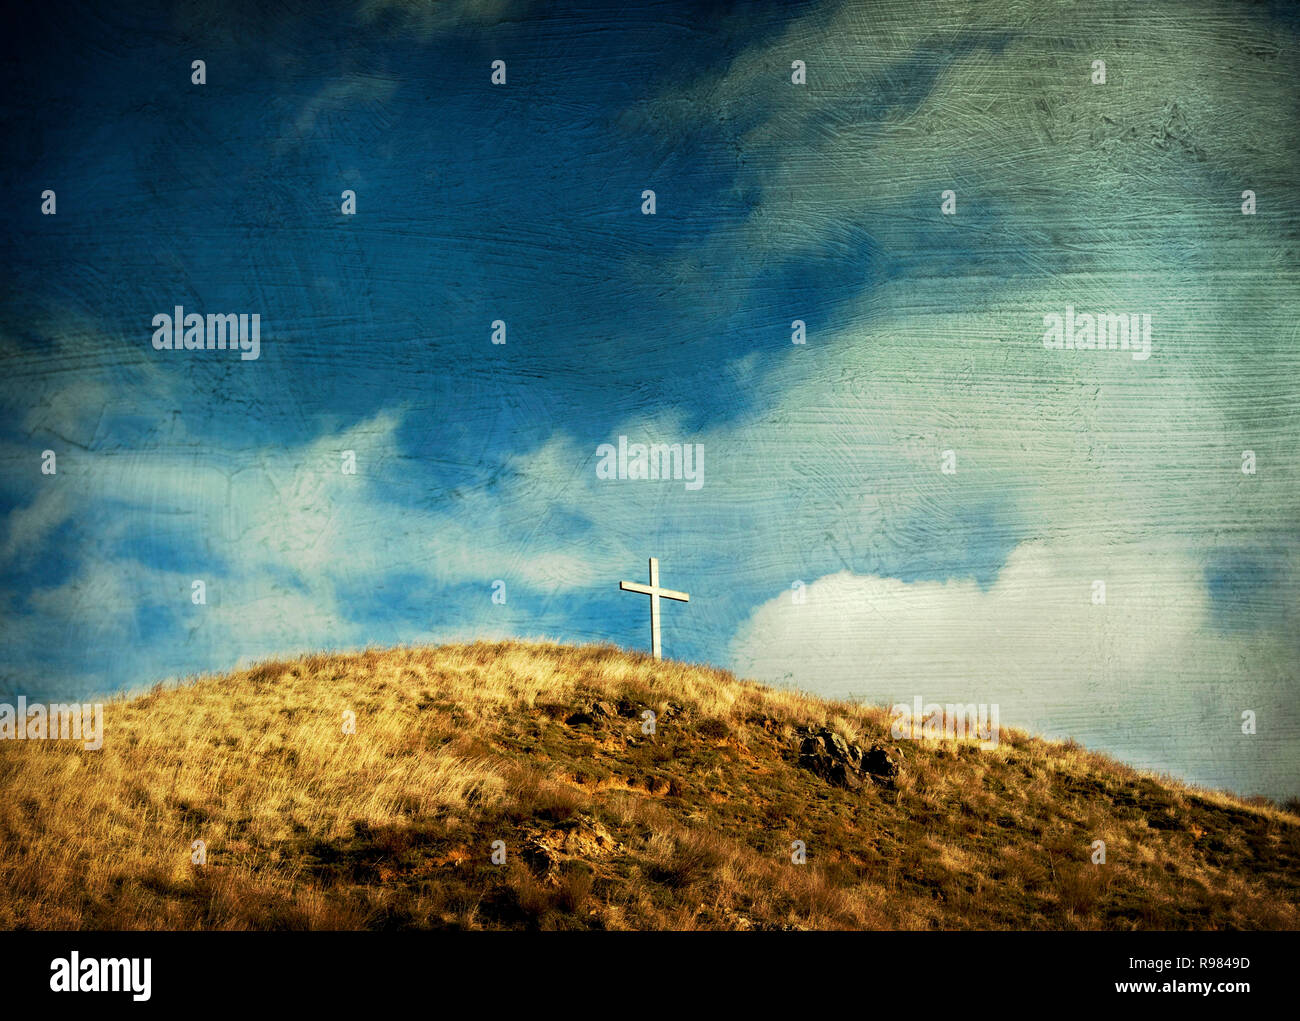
(280,536)
(1144,675)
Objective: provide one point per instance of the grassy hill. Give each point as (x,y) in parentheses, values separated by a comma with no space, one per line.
(541,746)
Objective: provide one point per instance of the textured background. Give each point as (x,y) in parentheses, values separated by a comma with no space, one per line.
(776,202)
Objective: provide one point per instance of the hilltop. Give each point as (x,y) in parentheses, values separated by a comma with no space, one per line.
(604,826)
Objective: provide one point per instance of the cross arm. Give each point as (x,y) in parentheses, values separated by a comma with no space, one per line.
(647,590)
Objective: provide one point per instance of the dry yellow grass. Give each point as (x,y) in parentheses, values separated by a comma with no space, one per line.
(604,827)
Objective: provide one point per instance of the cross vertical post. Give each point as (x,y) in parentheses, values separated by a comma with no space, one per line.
(656,642)
(654,592)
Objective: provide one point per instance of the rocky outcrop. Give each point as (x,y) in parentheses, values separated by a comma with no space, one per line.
(582,837)
(597,713)
(828,755)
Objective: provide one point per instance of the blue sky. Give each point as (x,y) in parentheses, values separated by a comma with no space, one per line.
(775,202)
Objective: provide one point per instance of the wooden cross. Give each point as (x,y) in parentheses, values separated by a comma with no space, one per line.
(654,592)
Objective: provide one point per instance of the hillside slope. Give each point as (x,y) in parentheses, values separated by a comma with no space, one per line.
(542,747)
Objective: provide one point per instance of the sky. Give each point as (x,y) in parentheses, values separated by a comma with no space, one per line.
(827,547)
